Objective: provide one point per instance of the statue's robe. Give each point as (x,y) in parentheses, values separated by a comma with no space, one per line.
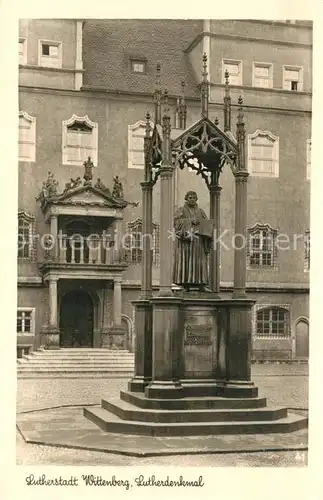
(191,248)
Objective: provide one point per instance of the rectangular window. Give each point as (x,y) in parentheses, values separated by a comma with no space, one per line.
(262,156)
(292,78)
(79,142)
(25,321)
(234,69)
(261,249)
(272,322)
(50,54)
(138,66)
(263,75)
(27,137)
(24,238)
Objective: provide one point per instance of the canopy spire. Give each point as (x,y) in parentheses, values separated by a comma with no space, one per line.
(241,136)
(166,131)
(227,103)
(205,89)
(182,107)
(158,96)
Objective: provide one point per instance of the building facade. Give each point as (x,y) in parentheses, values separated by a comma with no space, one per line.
(84,90)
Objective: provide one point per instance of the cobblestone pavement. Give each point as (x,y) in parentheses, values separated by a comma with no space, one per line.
(285,385)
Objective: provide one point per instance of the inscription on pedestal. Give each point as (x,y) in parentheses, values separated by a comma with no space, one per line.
(199,344)
(198,335)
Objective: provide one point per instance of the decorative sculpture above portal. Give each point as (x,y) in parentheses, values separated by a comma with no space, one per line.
(193,231)
(88,175)
(49,187)
(99,185)
(73,184)
(117,191)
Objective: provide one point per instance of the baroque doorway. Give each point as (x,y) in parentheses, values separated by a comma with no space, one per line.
(76,320)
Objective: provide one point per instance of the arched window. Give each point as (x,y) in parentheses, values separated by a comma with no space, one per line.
(262,248)
(80,140)
(134,242)
(136,134)
(25,245)
(27,137)
(263,154)
(272,322)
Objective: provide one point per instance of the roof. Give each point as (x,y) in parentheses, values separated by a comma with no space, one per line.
(109,45)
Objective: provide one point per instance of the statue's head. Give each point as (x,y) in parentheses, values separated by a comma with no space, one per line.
(191,198)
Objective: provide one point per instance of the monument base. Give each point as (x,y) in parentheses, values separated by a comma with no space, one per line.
(211,392)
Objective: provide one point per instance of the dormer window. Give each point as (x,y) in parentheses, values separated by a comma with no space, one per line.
(138,66)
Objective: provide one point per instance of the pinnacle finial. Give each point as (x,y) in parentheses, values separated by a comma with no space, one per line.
(204,67)
(226,77)
(158,74)
(240,109)
(166,98)
(216,120)
(148,116)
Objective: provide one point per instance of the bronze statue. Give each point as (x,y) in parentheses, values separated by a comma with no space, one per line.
(193,243)
(117,191)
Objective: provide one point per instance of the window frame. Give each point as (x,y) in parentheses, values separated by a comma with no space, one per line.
(31,310)
(256,64)
(23,59)
(133,231)
(275,159)
(32,141)
(287,322)
(41,60)
(94,151)
(239,63)
(30,220)
(290,67)
(140,124)
(272,233)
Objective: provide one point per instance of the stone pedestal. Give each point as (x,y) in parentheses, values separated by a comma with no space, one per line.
(143,347)
(167,349)
(49,337)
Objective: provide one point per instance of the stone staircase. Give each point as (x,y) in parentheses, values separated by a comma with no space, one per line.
(207,415)
(76,363)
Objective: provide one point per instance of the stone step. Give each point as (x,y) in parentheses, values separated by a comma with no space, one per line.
(139,400)
(85,361)
(72,368)
(81,352)
(127,411)
(75,375)
(109,422)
